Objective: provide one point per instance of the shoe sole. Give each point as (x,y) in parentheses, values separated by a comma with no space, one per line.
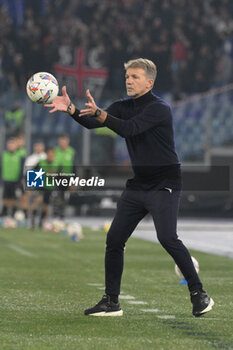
(207,309)
(104,314)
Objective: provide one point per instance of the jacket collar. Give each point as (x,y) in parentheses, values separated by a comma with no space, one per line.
(143,99)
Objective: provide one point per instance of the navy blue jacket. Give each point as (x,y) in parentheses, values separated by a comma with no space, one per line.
(146,124)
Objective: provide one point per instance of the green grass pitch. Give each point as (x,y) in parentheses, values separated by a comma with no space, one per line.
(44,289)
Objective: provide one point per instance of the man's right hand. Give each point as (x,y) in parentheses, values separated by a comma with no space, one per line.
(61,103)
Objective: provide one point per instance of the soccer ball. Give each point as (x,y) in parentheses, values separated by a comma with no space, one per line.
(19,216)
(42,87)
(58,225)
(9,222)
(195,263)
(75,230)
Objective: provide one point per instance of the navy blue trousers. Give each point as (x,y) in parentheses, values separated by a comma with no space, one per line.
(131,209)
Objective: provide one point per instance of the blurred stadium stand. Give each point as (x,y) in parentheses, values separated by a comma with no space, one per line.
(203,122)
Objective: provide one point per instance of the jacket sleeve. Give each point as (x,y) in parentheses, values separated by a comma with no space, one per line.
(89,121)
(152,116)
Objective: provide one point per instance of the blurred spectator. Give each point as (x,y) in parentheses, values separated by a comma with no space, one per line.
(33,199)
(67,161)
(14,120)
(21,150)
(38,154)
(188,74)
(50,166)
(11,174)
(180,49)
(204,70)
(115,62)
(224,70)
(224,67)
(65,155)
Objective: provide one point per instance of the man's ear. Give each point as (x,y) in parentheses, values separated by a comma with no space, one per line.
(150,83)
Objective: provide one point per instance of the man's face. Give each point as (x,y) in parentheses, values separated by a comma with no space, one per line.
(21,141)
(63,142)
(137,83)
(50,155)
(39,147)
(12,145)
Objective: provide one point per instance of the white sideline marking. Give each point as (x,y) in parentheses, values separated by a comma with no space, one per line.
(108,314)
(95,284)
(166,317)
(101,288)
(150,310)
(137,302)
(127,297)
(20,250)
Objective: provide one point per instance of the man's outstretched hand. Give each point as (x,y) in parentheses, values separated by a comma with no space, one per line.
(91,108)
(90,105)
(60,103)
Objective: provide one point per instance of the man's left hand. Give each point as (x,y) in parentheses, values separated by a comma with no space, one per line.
(90,105)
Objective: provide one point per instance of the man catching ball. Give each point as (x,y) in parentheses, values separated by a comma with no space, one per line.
(145,121)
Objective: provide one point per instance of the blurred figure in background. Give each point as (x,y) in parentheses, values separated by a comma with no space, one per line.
(34,198)
(22,153)
(180,49)
(38,154)
(67,161)
(50,166)
(20,139)
(14,120)
(12,175)
(224,66)
(65,154)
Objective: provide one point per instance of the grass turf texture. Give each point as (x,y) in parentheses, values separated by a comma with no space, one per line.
(44,291)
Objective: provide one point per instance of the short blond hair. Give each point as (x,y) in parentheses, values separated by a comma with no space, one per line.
(148,66)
